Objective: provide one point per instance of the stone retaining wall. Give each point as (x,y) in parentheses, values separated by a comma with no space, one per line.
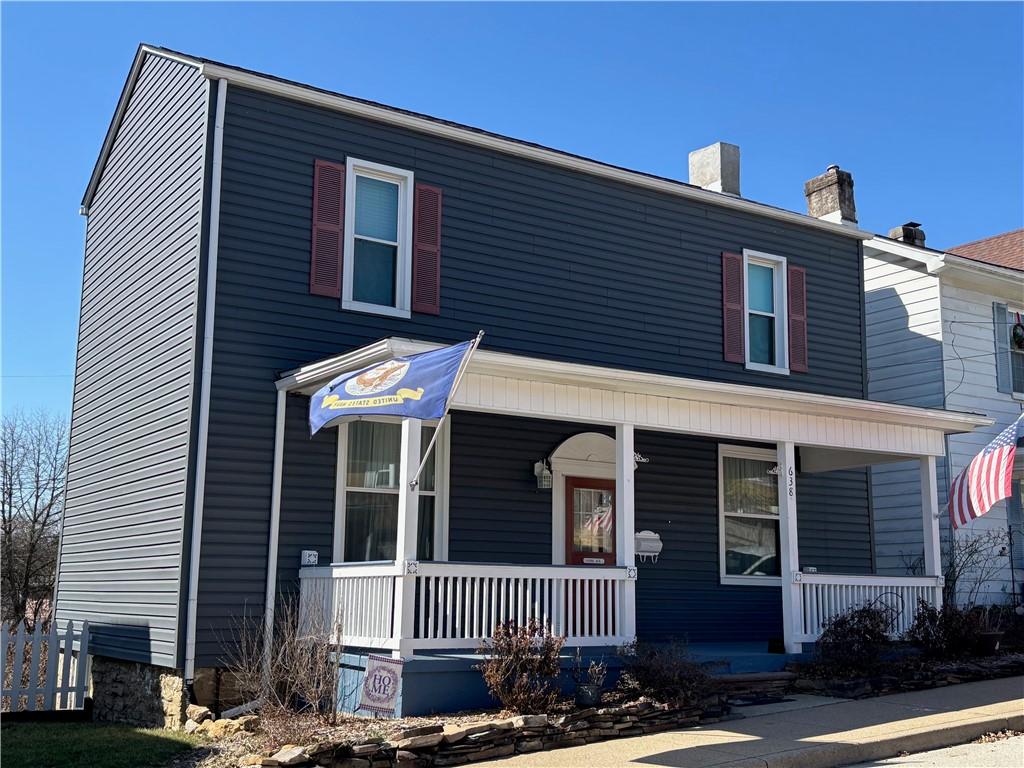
(137,694)
(458,744)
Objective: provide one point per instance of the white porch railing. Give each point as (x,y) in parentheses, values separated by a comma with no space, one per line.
(457,605)
(356,599)
(824,595)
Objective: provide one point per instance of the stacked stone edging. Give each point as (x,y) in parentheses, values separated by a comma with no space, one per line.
(935,675)
(458,744)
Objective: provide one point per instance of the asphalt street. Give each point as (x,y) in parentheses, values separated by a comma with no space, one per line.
(1008,753)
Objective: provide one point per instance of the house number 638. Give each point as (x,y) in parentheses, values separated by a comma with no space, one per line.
(790,482)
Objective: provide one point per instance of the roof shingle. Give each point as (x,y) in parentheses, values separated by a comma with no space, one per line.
(1005,250)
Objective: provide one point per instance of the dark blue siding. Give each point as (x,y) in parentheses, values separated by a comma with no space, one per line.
(497,513)
(307,493)
(551,263)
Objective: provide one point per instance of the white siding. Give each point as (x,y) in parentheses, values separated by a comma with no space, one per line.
(904,351)
(970,376)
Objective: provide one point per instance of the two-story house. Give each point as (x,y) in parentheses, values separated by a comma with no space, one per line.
(944,331)
(666,364)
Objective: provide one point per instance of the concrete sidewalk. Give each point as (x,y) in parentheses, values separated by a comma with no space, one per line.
(815,735)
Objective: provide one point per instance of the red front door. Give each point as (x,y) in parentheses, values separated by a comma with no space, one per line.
(589,521)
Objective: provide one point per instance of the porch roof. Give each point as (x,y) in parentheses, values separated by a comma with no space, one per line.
(308,378)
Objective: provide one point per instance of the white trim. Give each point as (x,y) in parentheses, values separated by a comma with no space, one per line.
(789,548)
(991,277)
(780,284)
(403,263)
(202,429)
(276,482)
(562,468)
(308,378)
(119,113)
(442,469)
(475,137)
(741,452)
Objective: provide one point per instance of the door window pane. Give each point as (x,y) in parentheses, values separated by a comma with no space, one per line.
(751,546)
(374,273)
(750,486)
(376,209)
(761,288)
(593,519)
(762,339)
(371,526)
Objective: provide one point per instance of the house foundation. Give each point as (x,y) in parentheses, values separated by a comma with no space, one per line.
(137,694)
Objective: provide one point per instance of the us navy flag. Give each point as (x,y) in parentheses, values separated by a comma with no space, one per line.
(417,386)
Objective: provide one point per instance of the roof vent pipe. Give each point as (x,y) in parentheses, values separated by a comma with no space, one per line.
(909,233)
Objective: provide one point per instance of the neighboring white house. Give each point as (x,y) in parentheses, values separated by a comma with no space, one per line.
(940,334)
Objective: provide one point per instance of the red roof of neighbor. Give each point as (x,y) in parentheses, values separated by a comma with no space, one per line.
(1005,250)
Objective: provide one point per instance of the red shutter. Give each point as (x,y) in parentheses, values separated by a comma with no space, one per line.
(426,250)
(797,319)
(328,229)
(733,307)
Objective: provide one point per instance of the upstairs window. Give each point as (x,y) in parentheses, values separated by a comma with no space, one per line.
(767,342)
(378,238)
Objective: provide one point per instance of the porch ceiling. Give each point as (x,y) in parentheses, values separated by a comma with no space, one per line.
(529,386)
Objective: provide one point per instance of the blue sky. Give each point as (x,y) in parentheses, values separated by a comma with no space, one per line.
(923,103)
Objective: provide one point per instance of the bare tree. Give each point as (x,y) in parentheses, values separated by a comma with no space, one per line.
(33,460)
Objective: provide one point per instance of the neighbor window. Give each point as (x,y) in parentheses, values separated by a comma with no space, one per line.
(370,511)
(767,348)
(1016,350)
(378,230)
(749,516)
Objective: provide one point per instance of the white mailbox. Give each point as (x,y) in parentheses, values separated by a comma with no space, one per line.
(648,546)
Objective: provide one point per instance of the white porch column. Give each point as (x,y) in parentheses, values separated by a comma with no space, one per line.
(408,529)
(625,530)
(790,555)
(930,521)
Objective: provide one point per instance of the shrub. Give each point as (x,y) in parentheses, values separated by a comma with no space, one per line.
(948,633)
(665,673)
(852,642)
(521,666)
(296,686)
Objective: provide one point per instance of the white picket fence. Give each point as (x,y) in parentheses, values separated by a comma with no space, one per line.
(66,672)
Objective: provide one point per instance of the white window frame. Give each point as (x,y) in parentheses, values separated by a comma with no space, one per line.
(1011,311)
(442,449)
(403,266)
(781,315)
(741,452)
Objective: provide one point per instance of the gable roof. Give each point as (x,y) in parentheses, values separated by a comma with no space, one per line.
(416,121)
(1005,250)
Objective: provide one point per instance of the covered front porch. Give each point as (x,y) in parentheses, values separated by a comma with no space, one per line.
(550,475)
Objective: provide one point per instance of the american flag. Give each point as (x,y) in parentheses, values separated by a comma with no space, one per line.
(987,479)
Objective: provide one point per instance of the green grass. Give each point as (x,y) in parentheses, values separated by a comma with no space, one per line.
(89,745)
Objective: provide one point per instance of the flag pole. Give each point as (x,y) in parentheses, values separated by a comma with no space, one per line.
(448,404)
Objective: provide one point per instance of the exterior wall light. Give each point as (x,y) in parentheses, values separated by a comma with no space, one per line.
(543,473)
